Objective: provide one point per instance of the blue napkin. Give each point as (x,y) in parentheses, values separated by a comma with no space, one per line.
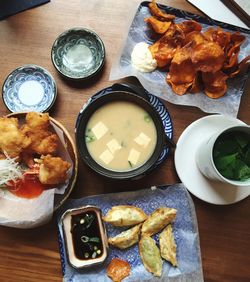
(12,7)
(185,232)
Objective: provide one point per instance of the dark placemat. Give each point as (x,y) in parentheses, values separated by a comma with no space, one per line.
(12,7)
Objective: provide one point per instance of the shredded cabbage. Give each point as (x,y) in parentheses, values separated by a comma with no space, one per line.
(9,170)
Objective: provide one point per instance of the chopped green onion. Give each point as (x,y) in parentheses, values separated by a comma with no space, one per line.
(89,138)
(94,239)
(86,255)
(98,252)
(88,220)
(147,118)
(85,239)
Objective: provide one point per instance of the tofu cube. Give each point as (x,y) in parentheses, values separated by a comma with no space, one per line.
(99,130)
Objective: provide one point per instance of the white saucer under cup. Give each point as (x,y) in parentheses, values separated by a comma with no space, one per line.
(210,191)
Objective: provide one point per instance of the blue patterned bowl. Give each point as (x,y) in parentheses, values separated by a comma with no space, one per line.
(151,104)
(29,88)
(78,53)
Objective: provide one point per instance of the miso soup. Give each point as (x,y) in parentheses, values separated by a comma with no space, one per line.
(120,136)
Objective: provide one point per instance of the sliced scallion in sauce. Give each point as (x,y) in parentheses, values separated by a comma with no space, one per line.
(86,235)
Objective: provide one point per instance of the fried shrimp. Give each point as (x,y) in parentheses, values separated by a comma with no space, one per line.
(53,170)
(12,139)
(43,141)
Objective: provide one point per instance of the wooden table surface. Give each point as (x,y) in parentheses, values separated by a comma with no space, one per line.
(26,38)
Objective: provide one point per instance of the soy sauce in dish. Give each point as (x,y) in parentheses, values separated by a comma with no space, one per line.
(86,236)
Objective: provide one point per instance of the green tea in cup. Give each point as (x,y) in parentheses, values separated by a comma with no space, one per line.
(231,155)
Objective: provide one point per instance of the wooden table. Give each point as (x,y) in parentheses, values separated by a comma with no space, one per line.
(26,38)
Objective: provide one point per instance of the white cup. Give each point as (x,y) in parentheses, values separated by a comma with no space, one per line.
(204,157)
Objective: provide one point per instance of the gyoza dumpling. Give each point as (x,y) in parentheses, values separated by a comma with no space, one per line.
(150,255)
(126,238)
(157,220)
(125,216)
(167,245)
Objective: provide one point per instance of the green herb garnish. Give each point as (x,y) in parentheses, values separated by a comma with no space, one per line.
(89,136)
(231,155)
(85,239)
(147,118)
(130,164)
(94,239)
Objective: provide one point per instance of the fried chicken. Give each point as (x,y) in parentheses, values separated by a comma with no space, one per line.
(12,140)
(43,141)
(53,170)
(37,120)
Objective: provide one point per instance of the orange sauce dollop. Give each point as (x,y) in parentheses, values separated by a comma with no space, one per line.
(28,187)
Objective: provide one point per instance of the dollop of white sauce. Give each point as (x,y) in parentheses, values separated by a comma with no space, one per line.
(142,58)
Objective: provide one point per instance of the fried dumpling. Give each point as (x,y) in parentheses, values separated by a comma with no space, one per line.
(126,238)
(167,245)
(150,255)
(125,215)
(157,220)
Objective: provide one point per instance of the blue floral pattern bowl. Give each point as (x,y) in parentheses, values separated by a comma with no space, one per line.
(29,88)
(78,53)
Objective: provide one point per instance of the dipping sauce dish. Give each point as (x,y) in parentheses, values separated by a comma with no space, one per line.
(142,146)
(78,53)
(85,236)
(29,88)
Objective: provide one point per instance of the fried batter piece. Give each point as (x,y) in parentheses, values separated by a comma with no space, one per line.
(118,269)
(158,13)
(215,84)
(163,50)
(12,140)
(37,120)
(53,170)
(208,57)
(158,26)
(43,141)
(182,72)
(213,58)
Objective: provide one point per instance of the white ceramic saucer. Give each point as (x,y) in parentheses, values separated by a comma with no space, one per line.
(203,188)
